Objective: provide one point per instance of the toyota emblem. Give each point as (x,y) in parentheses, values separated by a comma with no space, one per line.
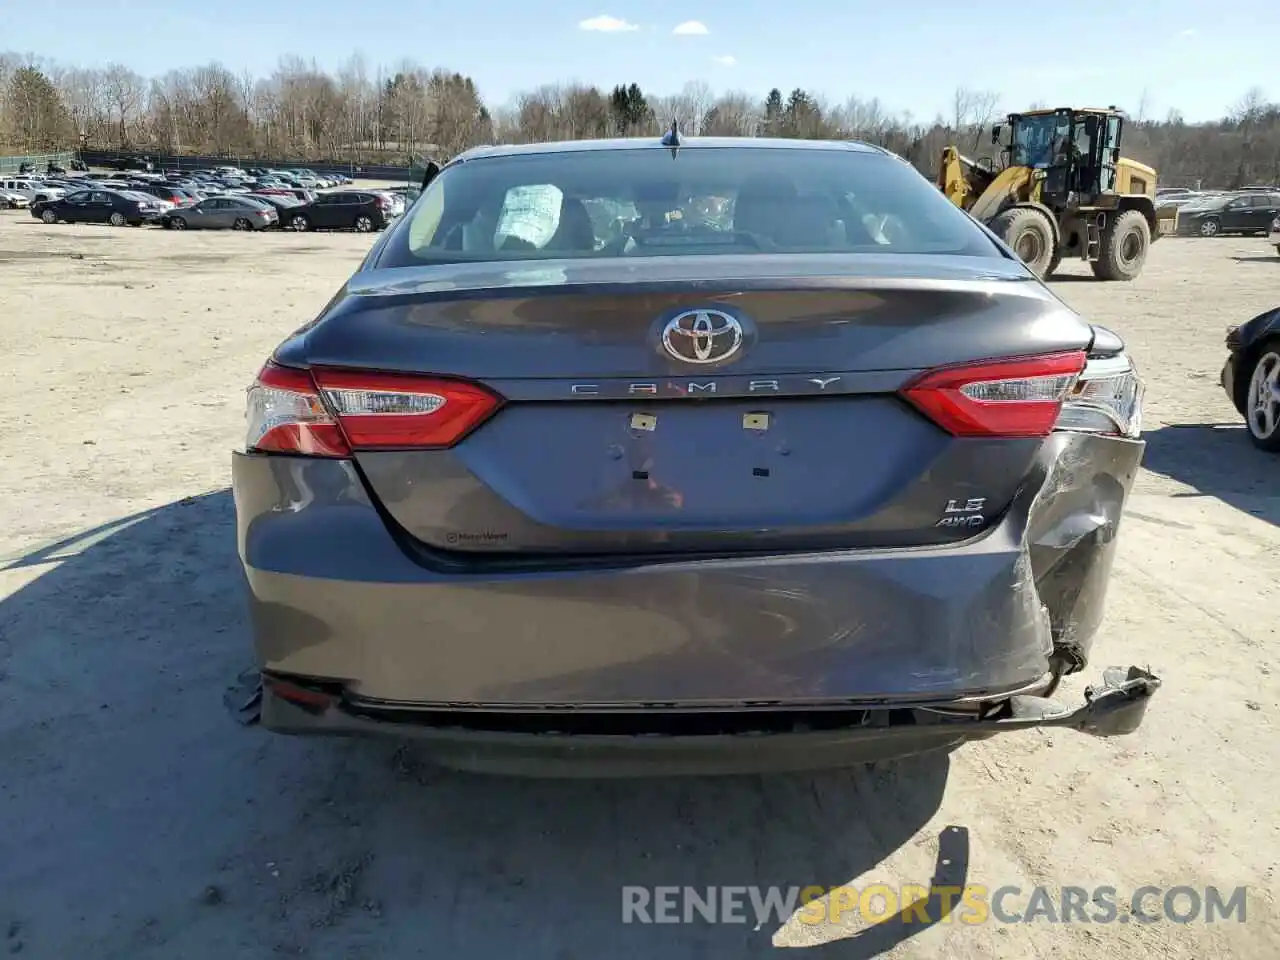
(702,336)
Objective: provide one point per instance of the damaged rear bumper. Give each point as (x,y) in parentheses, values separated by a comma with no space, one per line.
(977,619)
(531,744)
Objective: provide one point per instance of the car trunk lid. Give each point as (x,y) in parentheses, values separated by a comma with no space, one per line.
(613,439)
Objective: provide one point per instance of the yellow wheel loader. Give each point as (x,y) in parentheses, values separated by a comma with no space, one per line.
(1063,190)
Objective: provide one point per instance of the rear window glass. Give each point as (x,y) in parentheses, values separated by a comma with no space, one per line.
(705,201)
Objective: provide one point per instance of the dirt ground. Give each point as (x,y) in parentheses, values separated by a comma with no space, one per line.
(138,821)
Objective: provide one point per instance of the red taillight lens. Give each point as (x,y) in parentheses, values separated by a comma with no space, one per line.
(389,410)
(331,413)
(286,415)
(997,398)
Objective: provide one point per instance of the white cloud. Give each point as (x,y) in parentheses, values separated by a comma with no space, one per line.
(726,61)
(1189,32)
(691,28)
(607,24)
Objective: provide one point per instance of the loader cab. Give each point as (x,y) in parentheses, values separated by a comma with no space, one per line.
(1078,152)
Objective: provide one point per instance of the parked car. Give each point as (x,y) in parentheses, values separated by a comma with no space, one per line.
(1248,213)
(34,190)
(304,174)
(395,205)
(66,184)
(357,210)
(222,213)
(281,205)
(1251,376)
(410,193)
(723,496)
(12,200)
(171,195)
(116,207)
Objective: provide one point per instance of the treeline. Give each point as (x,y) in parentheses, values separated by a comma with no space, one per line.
(365,114)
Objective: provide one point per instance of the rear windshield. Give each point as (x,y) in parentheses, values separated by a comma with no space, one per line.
(705,201)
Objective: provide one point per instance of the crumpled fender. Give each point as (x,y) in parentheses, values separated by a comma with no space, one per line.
(1071,533)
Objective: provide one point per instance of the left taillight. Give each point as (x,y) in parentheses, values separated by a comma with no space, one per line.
(333,413)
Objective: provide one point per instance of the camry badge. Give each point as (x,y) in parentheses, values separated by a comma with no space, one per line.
(702,336)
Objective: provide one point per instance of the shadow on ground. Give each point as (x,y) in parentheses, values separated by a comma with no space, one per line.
(142,822)
(1217,460)
(1272,259)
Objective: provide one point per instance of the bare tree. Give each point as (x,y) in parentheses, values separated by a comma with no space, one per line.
(125,93)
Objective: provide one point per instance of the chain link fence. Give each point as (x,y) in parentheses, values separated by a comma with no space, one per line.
(39,162)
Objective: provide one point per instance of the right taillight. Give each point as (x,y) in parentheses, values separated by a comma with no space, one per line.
(1106,399)
(998,398)
(1032,396)
(333,413)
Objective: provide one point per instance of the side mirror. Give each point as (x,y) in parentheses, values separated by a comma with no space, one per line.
(429,173)
(995,133)
(1115,155)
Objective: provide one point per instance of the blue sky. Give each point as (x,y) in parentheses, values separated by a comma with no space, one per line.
(1185,54)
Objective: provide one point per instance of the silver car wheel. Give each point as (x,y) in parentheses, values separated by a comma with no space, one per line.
(1263,413)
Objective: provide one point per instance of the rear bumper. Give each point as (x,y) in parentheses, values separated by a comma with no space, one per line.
(1115,707)
(334,597)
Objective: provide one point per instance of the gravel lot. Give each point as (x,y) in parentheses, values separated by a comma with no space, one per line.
(138,821)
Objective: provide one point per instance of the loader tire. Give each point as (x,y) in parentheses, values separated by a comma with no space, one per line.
(1029,233)
(1124,247)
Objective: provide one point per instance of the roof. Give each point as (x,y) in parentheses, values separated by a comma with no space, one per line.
(1048,111)
(655,143)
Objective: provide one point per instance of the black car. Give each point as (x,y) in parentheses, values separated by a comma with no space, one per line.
(341,210)
(1248,213)
(116,207)
(658,489)
(1251,377)
(283,205)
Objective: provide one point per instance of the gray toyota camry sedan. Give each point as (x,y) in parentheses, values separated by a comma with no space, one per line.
(686,455)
